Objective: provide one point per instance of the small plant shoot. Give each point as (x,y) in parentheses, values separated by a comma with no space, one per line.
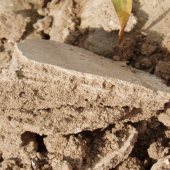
(123,9)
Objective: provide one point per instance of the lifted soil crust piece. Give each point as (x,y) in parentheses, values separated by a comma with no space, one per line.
(162,163)
(12,32)
(82,92)
(53,90)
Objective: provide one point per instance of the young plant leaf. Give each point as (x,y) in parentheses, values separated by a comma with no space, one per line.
(123,9)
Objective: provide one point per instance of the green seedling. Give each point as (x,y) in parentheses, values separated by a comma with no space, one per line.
(123,9)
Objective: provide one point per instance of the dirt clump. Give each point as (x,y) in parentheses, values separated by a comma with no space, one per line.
(156,150)
(165,117)
(12,26)
(71,149)
(10,164)
(131,163)
(145,63)
(5,58)
(63,19)
(148,57)
(43,11)
(162,163)
(126,50)
(163,70)
(147,49)
(43,24)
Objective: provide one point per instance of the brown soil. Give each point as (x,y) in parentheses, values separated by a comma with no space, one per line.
(147,48)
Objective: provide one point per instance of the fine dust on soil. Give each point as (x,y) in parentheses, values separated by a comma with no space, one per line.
(147,47)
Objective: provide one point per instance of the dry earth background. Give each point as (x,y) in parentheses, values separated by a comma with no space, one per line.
(138,142)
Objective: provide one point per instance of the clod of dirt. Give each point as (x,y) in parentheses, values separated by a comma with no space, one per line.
(66,166)
(113,158)
(71,149)
(116,58)
(62,20)
(139,38)
(12,26)
(43,11)
(4,59)
(167,133)
(10,164)
(157,151)
(165,117)
(147,49)
(163,70)
(145,63)
(126,50)
(131,163)
(162,164)
(43,24)
(25,4)
(155,58)
(166,43)
(61,165)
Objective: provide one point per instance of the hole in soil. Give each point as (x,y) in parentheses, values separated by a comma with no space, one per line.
(46,37)
(46,2)
(27,137)
(41,145)
(20,74)
(147,134)
(2,159)
(4,40)
(79,109)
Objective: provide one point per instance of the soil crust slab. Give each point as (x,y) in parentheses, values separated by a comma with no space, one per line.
(54,96)
(52,88)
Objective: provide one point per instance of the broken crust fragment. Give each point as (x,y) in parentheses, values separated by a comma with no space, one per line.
(111,160)
(163,69)
(12,26)
(70,101)
(164,117)
(162,163)
(157,151)
(43,24)
(103,151)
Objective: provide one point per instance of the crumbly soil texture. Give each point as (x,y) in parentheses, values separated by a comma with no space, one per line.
(91,25)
